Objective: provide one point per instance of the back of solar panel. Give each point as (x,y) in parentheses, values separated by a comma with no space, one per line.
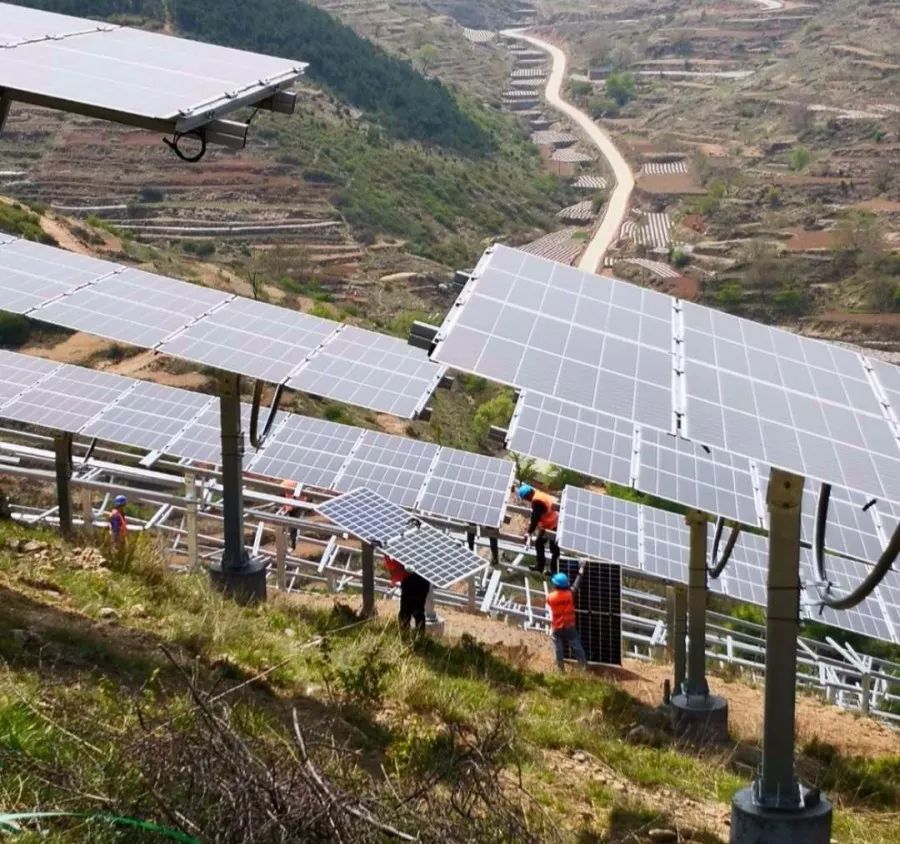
(598,610)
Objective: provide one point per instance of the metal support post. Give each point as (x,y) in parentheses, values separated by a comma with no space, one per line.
(280,557)
(695,712)
(5,103)
(62,448)
(472,594)
(87,509)
(368,579)
(237,575)
(776,808)
(190,512)
(676,597)
(865,692)
(495,550)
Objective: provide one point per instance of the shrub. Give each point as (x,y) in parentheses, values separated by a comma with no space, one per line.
(799,158)
(495,411)
(14,330)
(729,296)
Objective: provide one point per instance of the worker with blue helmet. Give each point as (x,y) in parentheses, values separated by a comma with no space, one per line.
(542,526)
(118,525)
(561,603)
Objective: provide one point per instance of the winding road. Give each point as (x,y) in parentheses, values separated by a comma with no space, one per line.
(617,207)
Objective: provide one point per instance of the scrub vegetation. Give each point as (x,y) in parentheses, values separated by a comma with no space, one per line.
(128,690)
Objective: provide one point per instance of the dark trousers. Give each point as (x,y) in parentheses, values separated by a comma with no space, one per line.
(568,635)
(540,545)
(413,594)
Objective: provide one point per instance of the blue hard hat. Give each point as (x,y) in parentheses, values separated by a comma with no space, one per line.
(120,501)
(524,490)
(560,581)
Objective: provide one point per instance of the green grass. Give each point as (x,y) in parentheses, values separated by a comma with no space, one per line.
(77,691)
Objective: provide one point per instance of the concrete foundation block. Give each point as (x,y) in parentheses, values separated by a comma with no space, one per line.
(753,824)
(246,585)
(700,717)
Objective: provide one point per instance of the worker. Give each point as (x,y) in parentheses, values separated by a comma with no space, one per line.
(544,518)
(413,594)
(118,525)
(561,602)
(290,488)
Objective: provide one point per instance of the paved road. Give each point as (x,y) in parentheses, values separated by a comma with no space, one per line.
(617,207)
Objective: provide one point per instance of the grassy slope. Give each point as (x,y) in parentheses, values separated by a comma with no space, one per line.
(83,701)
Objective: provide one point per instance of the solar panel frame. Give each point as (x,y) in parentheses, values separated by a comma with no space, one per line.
(150,416)
(308,451)
(67,398)
(553,329)
(588,441)
(142,78)
(31,274)
(132,306)
(366,515)
(600,527)
(372,370)
(390,466)
(466,487)
(251,338)
(441,560)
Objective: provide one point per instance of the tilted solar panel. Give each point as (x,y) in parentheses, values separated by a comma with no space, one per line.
(440,559)
(133,76)
(366,515)
(18,372)
(215,329)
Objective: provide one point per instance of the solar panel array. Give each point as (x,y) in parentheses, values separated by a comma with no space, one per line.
(656,543)
(444,482)
(598,610)
(440,559)
(136,76)
(215,329)
(723,382)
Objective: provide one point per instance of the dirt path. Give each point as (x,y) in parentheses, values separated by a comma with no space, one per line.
(617,207)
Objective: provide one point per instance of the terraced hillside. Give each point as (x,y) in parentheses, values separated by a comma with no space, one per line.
(440,180)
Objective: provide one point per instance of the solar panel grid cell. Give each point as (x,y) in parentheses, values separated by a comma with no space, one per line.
(17,372)
(468,487)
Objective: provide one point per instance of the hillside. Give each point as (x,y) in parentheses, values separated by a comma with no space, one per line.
(388,151)
(129,690)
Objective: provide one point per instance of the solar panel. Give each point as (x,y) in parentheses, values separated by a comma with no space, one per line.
(665,544)
(67,399)
(598,610)
(251,338)
(746,574)
(391,466)
(17,372)
(575,437)
(149,416)
(31,273)
(715,482)
(587,339)
(308,451)
(599,526)
(131,306)
(371,370)
(468,487)
(201,440)
(130,75)
(441,560)
(366,515)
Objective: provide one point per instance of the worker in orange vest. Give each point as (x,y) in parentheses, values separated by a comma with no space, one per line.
(290,488)
(544,518)
(118,526)
(561,602)
(413,594)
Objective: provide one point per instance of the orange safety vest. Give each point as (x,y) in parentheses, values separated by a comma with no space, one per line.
(562,608)
(396,570)
(118,525)
(550,519)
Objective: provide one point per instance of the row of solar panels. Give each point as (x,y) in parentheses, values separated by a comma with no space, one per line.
(600,345)
(444,482)
(136,77)
(656,543)
(215,329)
(603,446)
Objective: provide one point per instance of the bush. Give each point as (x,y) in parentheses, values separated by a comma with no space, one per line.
(729,296)
(680,258)
(580,88)
(620,88)
(790,301)
(14,330)
(199,248)
(799,158)
(495,411)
